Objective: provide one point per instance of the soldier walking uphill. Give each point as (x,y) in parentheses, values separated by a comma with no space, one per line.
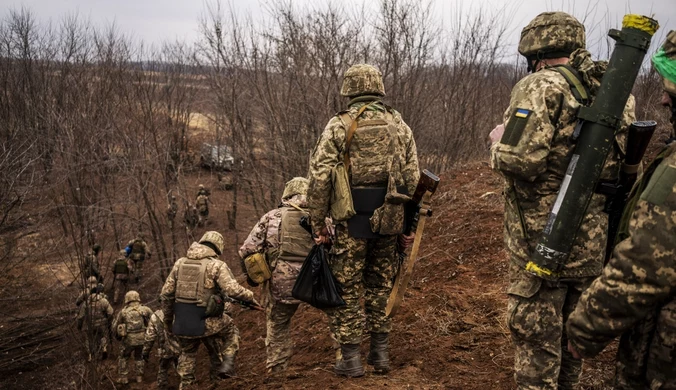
(168,349)
(172,210)
(372,141)
(130,326)
(280,241)
(90,266)
(202,204)
(122,269)
(192,302)
(92,283)
(138,253)
(532,156)
(95,315)
(636,295)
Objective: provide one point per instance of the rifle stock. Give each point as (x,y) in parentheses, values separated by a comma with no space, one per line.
(638,139)
(428,183)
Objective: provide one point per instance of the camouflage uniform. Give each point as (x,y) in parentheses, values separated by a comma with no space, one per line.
(202,204)
(122,267)
(86,291)
(280,306)
(635,296)
(543,109)
(190,218)
(172,210)
(90,266)
(140,252)
(364,267)
(135,317)
(168,349)
(220,337)
(96,313)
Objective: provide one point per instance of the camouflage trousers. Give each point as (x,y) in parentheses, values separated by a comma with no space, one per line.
(138,269)
(278,342)
(163,368)
(223,343)
(97,341)
(126,352)
(203,217)
(119,289)
(364,268)
(537,311)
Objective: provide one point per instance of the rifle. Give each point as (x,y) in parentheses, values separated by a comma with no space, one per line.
(637,143)
(426,187)
(248,305)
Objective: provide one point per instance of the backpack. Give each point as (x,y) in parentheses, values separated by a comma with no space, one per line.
(135,321)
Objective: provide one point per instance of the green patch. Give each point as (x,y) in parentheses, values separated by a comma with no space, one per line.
(517,123)
(661,185)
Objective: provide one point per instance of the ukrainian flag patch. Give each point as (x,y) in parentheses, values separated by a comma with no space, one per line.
(521,113)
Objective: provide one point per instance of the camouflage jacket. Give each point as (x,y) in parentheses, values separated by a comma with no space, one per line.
(90,265)
(167,343)
(130,315)
(96,312)
(202,203)
(329,151)
(544,110)
(638,283)
(265,238)
(218,275)
(142,249)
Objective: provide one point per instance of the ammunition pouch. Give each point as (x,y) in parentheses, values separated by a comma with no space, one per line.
(189,320)
(257,268)
(215,306)
(389,218)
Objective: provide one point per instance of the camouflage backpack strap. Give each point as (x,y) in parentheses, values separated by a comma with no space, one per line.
(579,90)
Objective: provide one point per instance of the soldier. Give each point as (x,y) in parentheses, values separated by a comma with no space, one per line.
(122,268)
(130,326)
(192,302)
(202,204)
(285,244)
(168,349)
(190,218)
(172,210)
(92,283)
(96,313)
(635,296)
(138,254)
(91,263)
(378,149)
(532,156)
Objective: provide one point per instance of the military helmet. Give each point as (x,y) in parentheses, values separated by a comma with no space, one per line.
(123,252)
(131,296)
(362,79)
(96,248)
(664,62)
(214,238)
(92,281)
(295,186)
(552,35)
(201,186)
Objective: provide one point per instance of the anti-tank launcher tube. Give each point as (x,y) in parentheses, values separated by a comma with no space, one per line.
(599,124)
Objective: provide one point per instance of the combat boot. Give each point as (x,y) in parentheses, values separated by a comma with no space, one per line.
(227,368)
(350,365)
(378,356)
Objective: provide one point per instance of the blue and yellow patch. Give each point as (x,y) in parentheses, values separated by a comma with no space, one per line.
(521,113)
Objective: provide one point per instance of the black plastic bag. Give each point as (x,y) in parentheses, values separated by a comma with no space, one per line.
(316,284)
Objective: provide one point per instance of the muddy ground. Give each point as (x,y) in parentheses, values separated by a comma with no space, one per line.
(449,334)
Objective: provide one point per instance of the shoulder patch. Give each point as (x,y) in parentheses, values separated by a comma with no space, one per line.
(661,185)
(515,126)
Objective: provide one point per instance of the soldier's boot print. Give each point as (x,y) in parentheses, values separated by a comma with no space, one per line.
(350,365)
(379,357)
(227,367)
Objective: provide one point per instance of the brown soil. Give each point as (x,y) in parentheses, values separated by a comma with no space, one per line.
(449,334)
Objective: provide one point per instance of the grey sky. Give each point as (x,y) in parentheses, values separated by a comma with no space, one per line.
(154,21)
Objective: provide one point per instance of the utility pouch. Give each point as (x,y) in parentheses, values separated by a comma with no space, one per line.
(215,306)
(342,207)
(257,268)
(388,219)
(121,330)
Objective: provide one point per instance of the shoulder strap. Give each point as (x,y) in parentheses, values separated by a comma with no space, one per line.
(579,90)
(350,134)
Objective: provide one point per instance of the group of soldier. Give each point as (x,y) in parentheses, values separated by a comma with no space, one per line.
(553,323)
(195,214)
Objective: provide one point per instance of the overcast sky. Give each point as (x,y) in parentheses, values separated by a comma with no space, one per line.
(155,21)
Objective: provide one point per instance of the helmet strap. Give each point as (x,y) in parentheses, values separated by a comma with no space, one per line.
(212,246)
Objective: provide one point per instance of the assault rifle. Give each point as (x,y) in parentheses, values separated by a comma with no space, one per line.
(247,305)
(426,187)
(637,143)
